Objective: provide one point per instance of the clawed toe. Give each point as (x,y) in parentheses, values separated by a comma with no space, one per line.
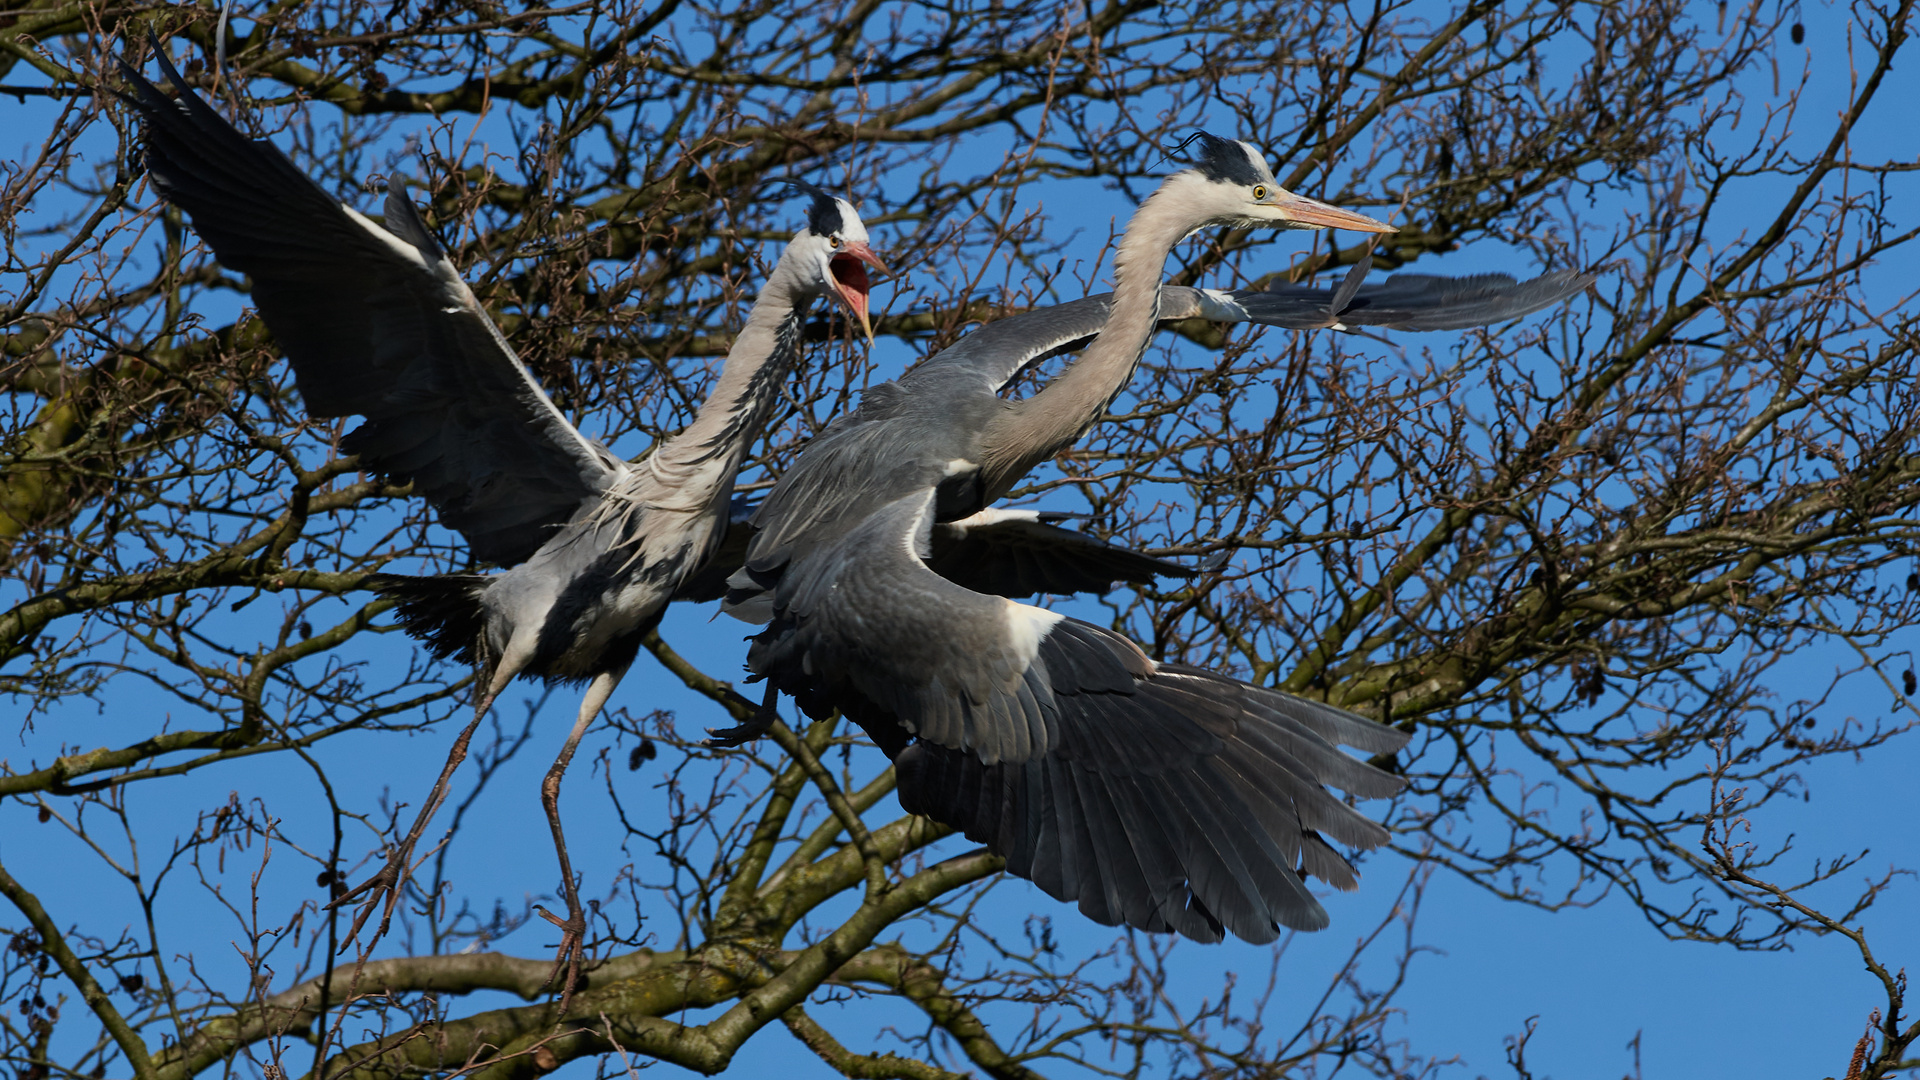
(739,735)
(764,715)
(385,885)
(573,936)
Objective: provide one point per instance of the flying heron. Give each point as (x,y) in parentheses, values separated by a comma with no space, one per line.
(377,322)
(1155,795)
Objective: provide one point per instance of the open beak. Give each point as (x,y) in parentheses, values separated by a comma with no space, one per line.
(850,282)
(1314,214)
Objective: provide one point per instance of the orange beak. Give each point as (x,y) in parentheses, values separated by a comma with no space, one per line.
(1316,214)
(850,282)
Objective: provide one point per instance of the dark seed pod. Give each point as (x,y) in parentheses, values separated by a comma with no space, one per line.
(646,751)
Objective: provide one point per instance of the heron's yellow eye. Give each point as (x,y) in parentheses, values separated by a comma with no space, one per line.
(833,242)
(1259,192)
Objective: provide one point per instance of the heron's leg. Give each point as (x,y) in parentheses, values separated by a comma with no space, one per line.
(390,882)
(573,929)
(763,718)
(737,698)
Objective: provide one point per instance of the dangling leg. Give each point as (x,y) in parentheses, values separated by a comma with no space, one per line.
(573,929)
(763,718)
(392,879)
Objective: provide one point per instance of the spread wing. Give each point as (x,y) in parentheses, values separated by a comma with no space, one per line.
(377,323)
(1403,301)
(1154,795)
(989,357)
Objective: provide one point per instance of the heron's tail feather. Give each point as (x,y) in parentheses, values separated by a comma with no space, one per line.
(443,610)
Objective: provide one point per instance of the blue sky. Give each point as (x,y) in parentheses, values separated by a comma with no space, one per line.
(1595,977)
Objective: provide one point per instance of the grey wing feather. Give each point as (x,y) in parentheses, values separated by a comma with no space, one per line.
(377,322)
(1153,795)
(1412,301)
(1019,553)
(989,357)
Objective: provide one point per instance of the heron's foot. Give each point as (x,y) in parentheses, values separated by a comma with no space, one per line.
(573,936)
(387,885)
(764,714)
(738,735)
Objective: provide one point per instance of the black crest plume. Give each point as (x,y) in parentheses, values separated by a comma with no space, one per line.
(823,217)
(1223,161)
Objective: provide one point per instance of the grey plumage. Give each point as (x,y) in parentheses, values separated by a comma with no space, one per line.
(904,433)
(377,322)
(1411,301)
(710,581)
(1158,796)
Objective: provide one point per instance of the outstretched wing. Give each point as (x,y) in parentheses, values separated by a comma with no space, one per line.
(989,357)
(1154,795)
(377,323)
(1403,301)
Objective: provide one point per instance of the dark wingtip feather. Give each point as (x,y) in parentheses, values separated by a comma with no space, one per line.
(403,220)
(146,97)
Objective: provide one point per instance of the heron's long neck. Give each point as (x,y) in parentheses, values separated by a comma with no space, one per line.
(1050,421)
(698,464)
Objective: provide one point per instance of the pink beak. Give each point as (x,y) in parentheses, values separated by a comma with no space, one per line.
(850,282)
(1325,215)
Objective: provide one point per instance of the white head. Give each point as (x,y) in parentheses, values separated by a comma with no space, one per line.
(1230,184)
(832,253)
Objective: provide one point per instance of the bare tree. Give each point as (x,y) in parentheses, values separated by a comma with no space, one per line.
(1571,556)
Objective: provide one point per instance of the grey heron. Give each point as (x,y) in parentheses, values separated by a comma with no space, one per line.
(377,322)
(1155,795)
